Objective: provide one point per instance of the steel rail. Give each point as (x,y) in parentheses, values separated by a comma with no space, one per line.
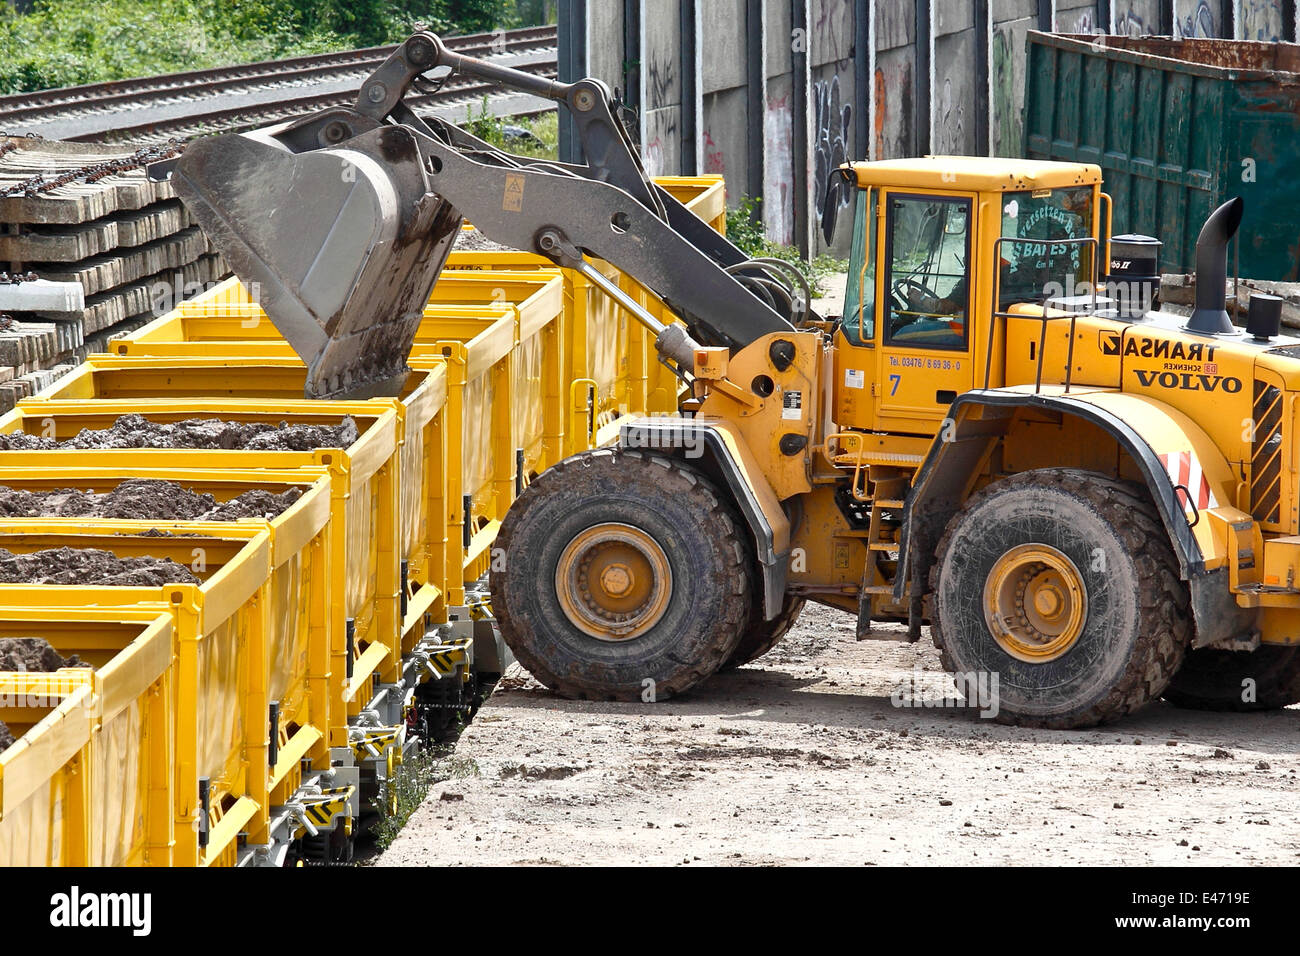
(23,109)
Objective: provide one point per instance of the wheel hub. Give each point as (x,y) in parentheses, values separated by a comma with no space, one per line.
(1035,603)
(613,581)
(617,580)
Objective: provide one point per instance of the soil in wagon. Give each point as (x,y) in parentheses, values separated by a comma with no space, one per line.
(90,566)
(136,431)
(33,654)
(144,499)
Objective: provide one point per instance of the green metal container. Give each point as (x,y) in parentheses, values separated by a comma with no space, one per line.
(1178,127)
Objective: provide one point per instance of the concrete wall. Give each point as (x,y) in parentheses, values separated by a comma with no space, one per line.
(775,93)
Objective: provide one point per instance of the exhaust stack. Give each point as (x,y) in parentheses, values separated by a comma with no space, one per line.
(1210,317)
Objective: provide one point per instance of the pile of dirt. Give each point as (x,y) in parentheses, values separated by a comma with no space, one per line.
(33,655)
(144,499)
(90,566)
(136,431)
(257,503)
(6,738)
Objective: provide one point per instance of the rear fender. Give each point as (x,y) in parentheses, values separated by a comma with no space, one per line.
(717,449)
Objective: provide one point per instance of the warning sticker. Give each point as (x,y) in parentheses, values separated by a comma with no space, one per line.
(854,378)
(792,405)
(514,195)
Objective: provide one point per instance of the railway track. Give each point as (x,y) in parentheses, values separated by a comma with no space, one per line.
(179,105)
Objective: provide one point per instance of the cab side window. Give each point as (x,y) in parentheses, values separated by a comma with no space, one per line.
(860,291)
(927,285)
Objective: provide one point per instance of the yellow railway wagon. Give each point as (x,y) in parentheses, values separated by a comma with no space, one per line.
(706,196)
(611,365)
(229,324)
(46,798)
(89,780)
(483,406)
(500,358)
(277,382)
(306,625)
(538,364)
(497,430)
(505,383)
(604,364)
(242,329)
(221,735)
(363,564)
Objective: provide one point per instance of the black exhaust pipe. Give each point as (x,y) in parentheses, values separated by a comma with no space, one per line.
(1210,317)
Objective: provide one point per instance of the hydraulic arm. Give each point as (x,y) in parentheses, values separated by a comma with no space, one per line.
(341,222)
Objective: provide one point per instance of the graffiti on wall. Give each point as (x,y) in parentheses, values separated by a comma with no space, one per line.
(893,115)
(661,82)
(832,134)
(1194,18)
(1259,20)
(714,162)
(834,102)
(1078,21)
(1130,23)
(831,24)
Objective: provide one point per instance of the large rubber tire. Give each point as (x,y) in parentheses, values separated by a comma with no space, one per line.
(1211,679)
(700,536)
(762,635)
(1136,627)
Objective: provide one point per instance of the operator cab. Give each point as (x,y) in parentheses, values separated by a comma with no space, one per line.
(919,300)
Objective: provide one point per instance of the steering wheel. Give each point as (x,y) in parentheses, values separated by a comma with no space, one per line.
(904,313)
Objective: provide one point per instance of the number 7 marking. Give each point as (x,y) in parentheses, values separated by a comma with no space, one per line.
(894,380)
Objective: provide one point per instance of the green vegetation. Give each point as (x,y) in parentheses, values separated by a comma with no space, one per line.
(541,139)
(745,230)
(69,42)
(412,783)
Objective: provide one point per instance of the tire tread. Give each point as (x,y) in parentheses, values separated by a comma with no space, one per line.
(1164,601)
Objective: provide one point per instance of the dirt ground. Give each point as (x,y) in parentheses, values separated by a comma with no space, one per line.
(143,499)
(89,566)
(802,757)
(136,431)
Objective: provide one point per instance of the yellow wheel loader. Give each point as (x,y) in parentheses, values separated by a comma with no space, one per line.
(999,438)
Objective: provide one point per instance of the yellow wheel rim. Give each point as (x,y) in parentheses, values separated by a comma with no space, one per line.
(1035,603)
(613,582)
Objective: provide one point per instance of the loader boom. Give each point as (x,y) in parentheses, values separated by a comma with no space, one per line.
(343,220)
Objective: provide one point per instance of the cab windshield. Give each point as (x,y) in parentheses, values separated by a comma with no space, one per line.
(1038,260)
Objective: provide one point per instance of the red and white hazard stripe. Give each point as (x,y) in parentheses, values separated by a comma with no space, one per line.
(1184,470)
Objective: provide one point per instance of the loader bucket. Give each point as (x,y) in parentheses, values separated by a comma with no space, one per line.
(340,247)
